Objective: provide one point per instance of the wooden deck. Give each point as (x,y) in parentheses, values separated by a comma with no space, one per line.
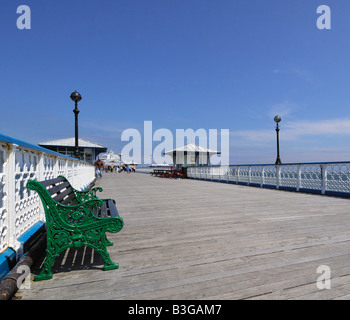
(188,239)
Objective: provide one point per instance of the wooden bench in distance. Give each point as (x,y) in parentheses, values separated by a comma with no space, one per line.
(75,219)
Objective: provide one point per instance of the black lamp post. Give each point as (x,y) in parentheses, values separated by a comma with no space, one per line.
(76,97)
(278,119)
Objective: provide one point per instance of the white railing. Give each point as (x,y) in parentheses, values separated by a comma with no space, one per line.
(331,178)
(21,208)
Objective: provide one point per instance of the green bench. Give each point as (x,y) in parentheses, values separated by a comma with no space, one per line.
(75,219)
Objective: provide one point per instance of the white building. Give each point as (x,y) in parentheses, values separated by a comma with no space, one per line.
(191,155)
(110,158)
(88,150)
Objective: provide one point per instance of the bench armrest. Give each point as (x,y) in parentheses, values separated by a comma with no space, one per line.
(83,196)
(76,215)
(81,217)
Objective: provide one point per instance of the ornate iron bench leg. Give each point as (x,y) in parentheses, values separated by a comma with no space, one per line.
(108,263)
(51,255)
(45,273)
(109,243)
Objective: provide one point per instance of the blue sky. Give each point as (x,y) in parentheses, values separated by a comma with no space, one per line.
(181,64)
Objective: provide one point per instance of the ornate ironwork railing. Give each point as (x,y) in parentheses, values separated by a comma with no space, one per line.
(330,178)
(20,208)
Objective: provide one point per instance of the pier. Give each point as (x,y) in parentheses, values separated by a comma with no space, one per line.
(193,239)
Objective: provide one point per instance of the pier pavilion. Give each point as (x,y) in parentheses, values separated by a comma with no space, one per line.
(88,150)
(191,155)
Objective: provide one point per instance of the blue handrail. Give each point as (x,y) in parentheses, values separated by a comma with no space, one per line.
(32,146)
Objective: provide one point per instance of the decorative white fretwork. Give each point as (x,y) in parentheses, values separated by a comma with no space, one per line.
(20,208)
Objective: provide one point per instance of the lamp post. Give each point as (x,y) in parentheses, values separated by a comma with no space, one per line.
(278,119)
(76,97)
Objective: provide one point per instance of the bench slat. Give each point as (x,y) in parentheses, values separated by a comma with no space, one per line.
(63,194)
(104,210)
(70,200)
(49,182)
(74,202)
(113,211)
(58,188)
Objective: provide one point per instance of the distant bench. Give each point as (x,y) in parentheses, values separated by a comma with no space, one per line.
(75,219)
(168,173)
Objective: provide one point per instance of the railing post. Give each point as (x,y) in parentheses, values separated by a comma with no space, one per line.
(324,178)
(4,191)
(55,167)
(40,167)
(299,178)
(278,173)
(66,168)
(11,196)
(249,171)
(40,177)
(262,176)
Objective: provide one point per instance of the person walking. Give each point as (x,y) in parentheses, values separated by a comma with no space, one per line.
(98,167)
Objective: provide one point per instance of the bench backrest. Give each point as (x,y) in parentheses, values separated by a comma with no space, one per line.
(60,190)
(58,198)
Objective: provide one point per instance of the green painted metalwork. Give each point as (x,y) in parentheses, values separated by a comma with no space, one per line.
(75,226)
(83,196)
